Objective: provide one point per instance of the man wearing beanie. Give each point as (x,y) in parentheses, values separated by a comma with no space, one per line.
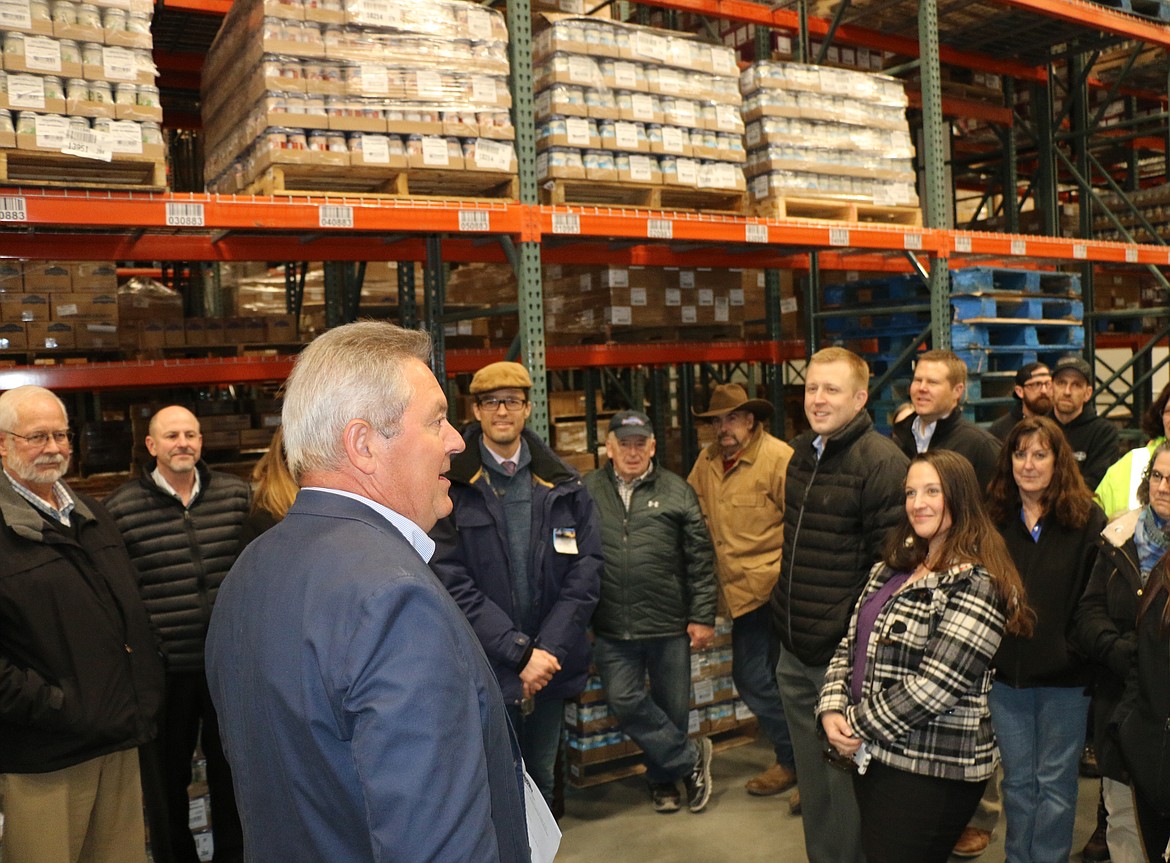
(521,555)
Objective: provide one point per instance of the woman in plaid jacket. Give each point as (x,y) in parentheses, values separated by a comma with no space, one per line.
(905,696)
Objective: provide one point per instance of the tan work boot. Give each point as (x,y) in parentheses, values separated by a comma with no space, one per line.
(775,779)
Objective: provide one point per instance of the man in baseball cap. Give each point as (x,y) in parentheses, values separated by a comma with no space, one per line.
(1033,392)
(1094,440)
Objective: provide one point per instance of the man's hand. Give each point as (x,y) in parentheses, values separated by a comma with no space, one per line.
(839,733)
(540,669)
(701,635)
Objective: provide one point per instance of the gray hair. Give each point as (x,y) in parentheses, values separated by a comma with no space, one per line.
(12,401)
(351,372)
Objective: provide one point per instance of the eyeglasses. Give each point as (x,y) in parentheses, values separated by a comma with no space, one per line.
(1157,478)
(1031,385)
(511,403)
(40,439)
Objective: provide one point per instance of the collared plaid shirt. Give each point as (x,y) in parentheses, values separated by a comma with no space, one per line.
(65,503)
(924,698)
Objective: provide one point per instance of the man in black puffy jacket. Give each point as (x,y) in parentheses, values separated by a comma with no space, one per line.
(181,522)
(657,602)
(80,678)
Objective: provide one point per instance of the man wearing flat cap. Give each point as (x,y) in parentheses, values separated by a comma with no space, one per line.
(740,483)
(1033,392)
(521,555)
(657,602)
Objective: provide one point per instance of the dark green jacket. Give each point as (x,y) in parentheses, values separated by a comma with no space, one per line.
(659,564)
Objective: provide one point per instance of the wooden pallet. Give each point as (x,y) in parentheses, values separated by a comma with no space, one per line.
(377,182)
(34,168)
(643,195)
(588,775)
(828,209)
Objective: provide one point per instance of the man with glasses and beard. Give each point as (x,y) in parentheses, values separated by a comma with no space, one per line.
(521,555)
(80,677)
(1033,392)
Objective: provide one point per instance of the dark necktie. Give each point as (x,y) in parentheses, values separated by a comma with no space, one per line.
(509,468)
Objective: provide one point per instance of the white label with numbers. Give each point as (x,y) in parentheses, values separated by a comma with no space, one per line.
(673,297)
(185,215)
(704,691)
(475,220)
(1131,256)
(42,53)
(26,91)
(912,241)
(566,223)
(642,106)
(672,139)
(754,233)
(689,314)
(577,131)
(376,12)
(376,149)
(706,297)
(962,244)
(625,136)
(428,85)
(434,152)
(641,169)
(838,236)
(718,175)
(618,277)
(684,113)
(669,81)
(1080,251)
(484,90)
(650,45)
(13,209)
(637,296)
(621,315)
(722,310)
(1019,247)
(126,137)
(479,24)
(688,172)
(119,64)
(659,229)
(727,118)
(335,216)
(15,15)
(492,155)
(686,279)
(375,80)
(625,76)
(582,70)
(51,132)
(735,296)
(788,306)
(87,144)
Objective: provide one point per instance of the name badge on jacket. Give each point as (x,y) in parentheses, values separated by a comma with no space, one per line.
(565,540)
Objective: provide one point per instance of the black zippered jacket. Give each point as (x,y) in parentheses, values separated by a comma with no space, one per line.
(80,675)
(182,554)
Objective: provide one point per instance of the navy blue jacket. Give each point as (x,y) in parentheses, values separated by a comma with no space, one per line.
(358,712)
(472,561)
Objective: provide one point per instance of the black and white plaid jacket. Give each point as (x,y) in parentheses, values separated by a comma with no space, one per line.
(924,698)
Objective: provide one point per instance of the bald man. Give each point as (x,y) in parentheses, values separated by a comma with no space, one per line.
(181,523)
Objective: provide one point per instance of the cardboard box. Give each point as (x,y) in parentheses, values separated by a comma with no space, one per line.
(47,276)
(72,306)
(213,331)
(234,331)
(255,438)
(50,335)
(225,422)
(96,276)
(195,331)
(150,334)
(174,333)
(24,307)
(13,337)
(221,440)
(11,277)
(281,329)
(96,334)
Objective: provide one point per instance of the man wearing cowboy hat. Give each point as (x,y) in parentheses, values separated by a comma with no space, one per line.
(740,483)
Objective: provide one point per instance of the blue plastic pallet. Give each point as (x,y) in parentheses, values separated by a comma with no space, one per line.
(875,291)
(980,279)
(990,335)
(1033,307)
(875,326)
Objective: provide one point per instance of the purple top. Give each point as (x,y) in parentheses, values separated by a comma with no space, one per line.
(867,616)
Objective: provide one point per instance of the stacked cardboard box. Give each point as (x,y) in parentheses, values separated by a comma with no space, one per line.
(618,102)
(391,84)
(592,732)
(816,131)
(58,305)
(80,80)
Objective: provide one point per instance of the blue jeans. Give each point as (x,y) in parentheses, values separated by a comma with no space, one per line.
(1041,731)
(754,650)
(539,734)
(655,719)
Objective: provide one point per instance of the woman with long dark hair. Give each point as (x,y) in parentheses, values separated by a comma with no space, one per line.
(905,695)
(1050,524)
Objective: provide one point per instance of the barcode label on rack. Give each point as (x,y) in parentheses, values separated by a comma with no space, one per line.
(566,223)
(185,215)
(13,210)
(754,233)
(962,244)
(1080,251)
(838,236)
(660,229)
(335,216)
(1131,256)
(912,241)
(1019,247)
(475,220)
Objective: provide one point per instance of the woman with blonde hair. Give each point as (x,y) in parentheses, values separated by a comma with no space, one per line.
(905,695)
(273,491)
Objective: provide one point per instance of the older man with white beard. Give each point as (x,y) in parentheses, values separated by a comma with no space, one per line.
(80,677)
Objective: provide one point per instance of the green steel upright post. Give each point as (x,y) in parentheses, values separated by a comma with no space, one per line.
(528,277)
(1079,119)
(334,293)
(938,206)
(803,45)
(1045,189)
(774,371)
(407,301)
(1011,199)
(435,286)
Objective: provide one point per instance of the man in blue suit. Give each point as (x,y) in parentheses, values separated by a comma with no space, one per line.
(360,717)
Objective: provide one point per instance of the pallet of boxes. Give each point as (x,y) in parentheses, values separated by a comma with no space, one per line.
(825,143)
(597,751)
(629,115)
(79,105)
(50,306)
(387,97)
